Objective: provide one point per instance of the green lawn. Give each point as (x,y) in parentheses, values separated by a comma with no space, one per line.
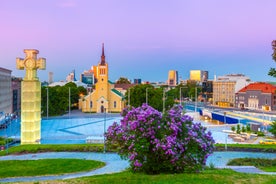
(224,176)
(13,168)
(268,165)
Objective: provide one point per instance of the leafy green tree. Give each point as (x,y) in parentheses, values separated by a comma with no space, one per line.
(233,128)
(58,98)
(272,71)
(123,80)
(238,129)
(248,129)
(273,128)
(137,95)
(243,129)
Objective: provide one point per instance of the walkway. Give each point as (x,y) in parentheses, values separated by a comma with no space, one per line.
(115,164)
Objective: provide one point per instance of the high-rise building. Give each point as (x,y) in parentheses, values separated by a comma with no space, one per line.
(71,77)
(5,91)
(199,75)
(87,77)
(137,81)
(172,78)
(16,95)
(50,77)
(105,98)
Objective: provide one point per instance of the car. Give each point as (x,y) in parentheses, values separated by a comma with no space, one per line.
(268,141)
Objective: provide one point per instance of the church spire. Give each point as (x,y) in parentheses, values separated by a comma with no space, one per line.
(103,56)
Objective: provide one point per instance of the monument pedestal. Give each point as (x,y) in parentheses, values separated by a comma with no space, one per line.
(30,97)
(30,112)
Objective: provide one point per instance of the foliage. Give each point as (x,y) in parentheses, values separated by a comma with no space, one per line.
(123,80)
(272,71)
(138,94)
(58,98)
(243,129)
(261,163)
(33,148)
(238,129)
(46,167)
(233,128)
(155,142)
(260,134)
(273,128)
(248,129)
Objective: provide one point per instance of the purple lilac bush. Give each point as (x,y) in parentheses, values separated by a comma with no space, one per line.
(160,143)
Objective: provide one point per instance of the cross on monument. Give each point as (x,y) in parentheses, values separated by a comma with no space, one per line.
(30,97)
(31,64)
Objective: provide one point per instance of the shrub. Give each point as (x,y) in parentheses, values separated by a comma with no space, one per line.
(233,128)
(155,142)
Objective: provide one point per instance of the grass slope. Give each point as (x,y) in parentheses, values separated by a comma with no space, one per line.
(16,168)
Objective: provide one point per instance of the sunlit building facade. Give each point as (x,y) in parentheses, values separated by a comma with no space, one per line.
(5,91)
(105,98)
(173,78)
(225,87)
(199,75)
(257,96)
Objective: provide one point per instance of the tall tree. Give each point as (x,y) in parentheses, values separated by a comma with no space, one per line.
(122,80)
(272,71)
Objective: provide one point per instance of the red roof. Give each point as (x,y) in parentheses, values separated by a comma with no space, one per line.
(260,86)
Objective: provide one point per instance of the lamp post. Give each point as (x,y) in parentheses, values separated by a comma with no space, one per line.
(104,129)
(47,102)
(180,95)
(128,96)
(147,96)
(69,102)
(163,100)
(195,99)
(90,101)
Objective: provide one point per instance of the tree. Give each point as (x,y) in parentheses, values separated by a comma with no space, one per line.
(160,143)
(273,128)
(123,80)
(272,71)
(138,94)
(233,128)
(58,98)
(238,129)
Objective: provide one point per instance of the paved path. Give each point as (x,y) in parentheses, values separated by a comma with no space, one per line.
(115,164)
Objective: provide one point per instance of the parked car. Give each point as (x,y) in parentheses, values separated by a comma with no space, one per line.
(268,141)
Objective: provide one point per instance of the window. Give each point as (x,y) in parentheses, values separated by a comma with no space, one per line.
(91,104)
(115,104)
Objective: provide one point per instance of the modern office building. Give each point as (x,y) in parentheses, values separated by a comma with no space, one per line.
(199,75)
(87,77)
(105,98)
(16,95)
(207,90)
(137,81)
(257,96)
(172,78)
(71,77)
(225,88)
(50,77)
(5,91)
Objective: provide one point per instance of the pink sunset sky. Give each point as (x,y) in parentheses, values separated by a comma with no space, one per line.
(143,38)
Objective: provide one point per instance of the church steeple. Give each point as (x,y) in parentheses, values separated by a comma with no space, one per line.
(103,56)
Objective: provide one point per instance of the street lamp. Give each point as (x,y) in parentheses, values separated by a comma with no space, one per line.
(47,102)
(163,100)
(69,102)
(128,96)
(147,96)
(195,99)
(104,129)
(180,95)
